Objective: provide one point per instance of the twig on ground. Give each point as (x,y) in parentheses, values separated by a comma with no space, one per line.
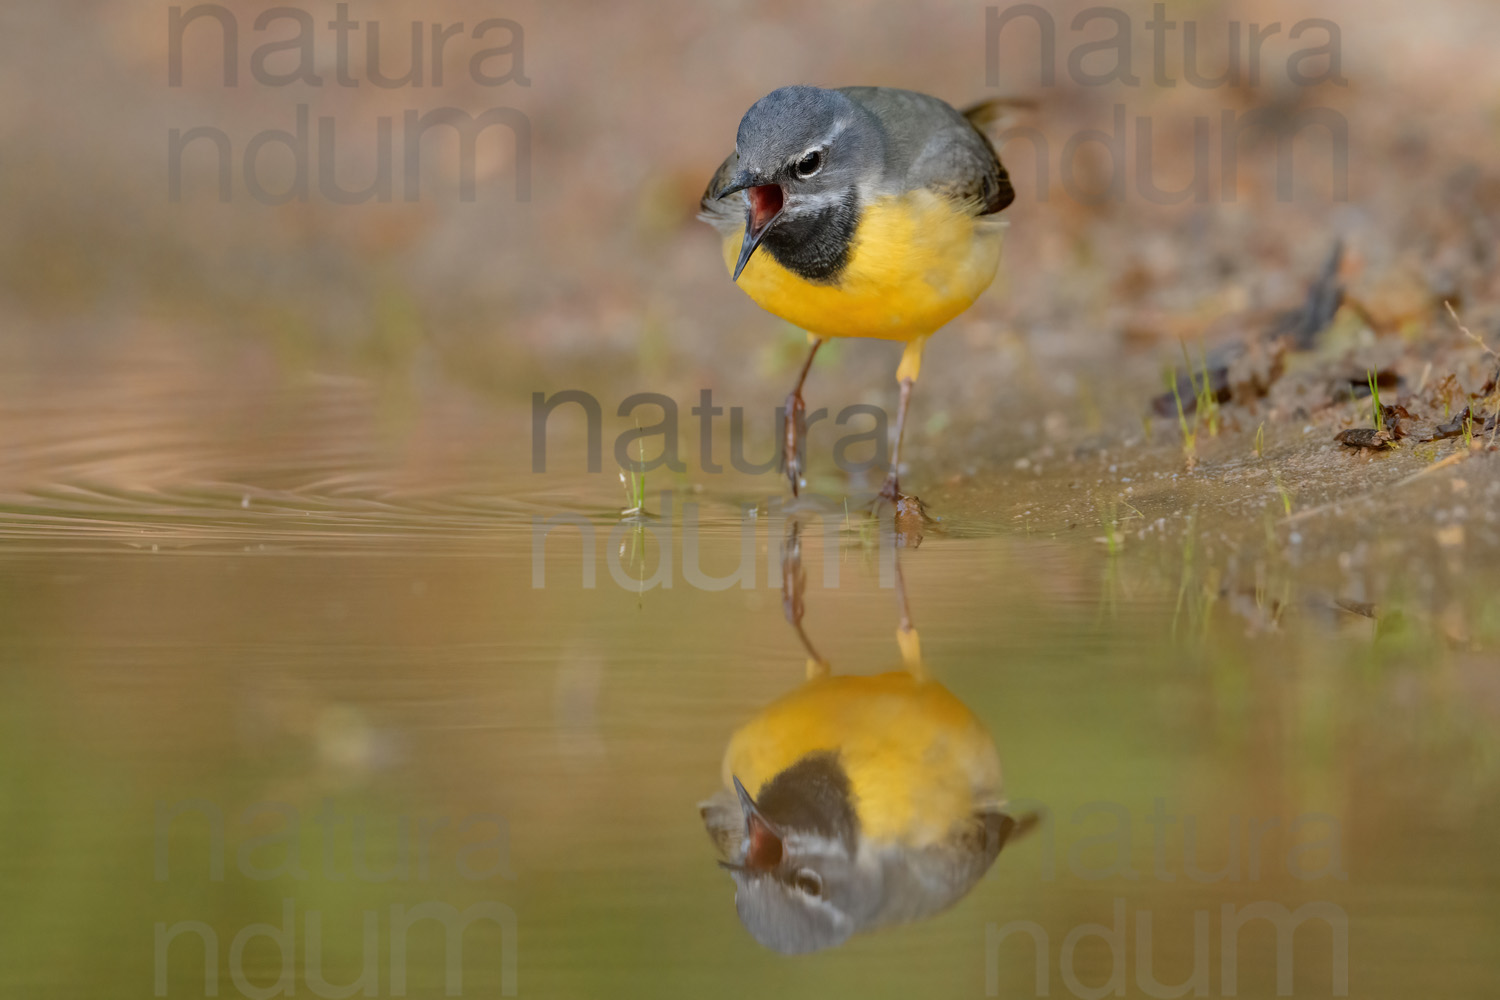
(1467,332)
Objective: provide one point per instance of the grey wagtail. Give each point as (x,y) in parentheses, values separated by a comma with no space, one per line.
(876,799)
(875,211)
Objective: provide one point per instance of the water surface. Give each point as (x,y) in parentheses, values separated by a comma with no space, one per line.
(311,611)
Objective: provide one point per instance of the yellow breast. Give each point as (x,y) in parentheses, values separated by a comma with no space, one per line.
(916,262)
(918,760)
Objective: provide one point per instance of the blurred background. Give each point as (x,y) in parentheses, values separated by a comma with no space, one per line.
(268,520)
(605,270)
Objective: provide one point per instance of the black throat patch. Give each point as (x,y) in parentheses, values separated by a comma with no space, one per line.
(813,795)
(816,246)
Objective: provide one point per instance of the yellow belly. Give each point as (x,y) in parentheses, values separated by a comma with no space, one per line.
(918,760)
(916,262)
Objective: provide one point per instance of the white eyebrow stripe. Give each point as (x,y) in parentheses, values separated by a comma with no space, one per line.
(833,133)
(823,143)
(814,845)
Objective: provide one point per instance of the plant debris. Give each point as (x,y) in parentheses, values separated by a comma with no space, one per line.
(1466,420)
(1302,326)
(1246,370)
(1346,388)
(1367,438)
(1190,384)
(1396,418)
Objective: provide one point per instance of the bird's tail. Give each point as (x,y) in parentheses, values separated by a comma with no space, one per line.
(997,113)
(1002,827)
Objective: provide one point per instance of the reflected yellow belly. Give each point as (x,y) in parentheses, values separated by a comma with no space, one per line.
(918,760)
(916,262)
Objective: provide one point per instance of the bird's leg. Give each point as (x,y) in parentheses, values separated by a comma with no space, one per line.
(906,633)
(906,375)
(795,424)
(793,583)
(891,490)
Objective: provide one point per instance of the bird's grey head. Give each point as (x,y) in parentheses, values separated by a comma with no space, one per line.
(804,153)
(814,904)
(809,141)
(799,886)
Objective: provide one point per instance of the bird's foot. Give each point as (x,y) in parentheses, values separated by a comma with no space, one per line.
(911,521)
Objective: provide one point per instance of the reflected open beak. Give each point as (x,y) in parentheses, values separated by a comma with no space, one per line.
(765,206)
(762,839)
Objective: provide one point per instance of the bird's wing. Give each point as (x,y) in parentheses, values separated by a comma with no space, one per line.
(928,880)
(973,846)
(728,214)
(929,144)
(960,163)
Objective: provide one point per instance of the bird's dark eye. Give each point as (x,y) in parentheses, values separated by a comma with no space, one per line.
(809,882)
(811,163)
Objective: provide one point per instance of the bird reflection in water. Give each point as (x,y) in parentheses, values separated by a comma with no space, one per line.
(855,802)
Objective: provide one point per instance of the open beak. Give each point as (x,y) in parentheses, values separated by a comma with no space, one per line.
(765,206)
(762,839)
